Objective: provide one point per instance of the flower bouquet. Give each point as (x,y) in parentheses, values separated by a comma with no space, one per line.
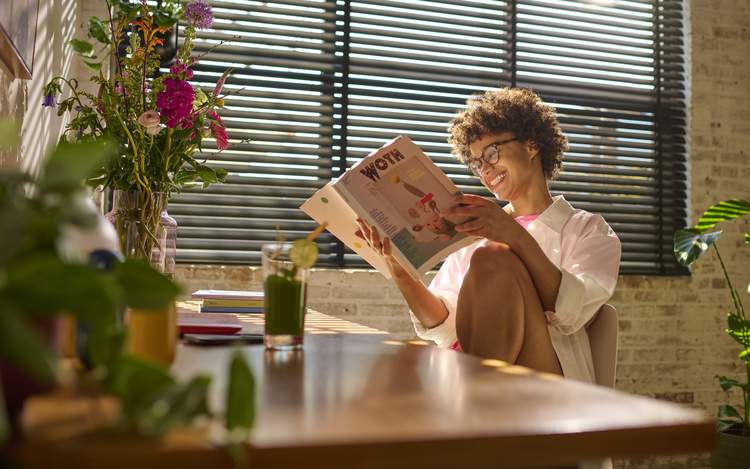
(158,117)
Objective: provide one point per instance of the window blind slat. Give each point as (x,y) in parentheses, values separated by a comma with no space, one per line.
(303,105)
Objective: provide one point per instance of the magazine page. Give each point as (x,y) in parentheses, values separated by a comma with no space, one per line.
(402,192)
(327,206)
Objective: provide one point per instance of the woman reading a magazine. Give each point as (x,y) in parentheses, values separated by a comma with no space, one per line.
(539,270)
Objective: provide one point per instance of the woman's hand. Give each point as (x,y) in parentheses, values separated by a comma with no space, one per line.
(383,247)
(487,219)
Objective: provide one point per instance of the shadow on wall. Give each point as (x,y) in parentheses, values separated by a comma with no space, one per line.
(57,23)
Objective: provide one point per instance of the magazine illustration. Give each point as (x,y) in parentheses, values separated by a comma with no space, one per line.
(401,192)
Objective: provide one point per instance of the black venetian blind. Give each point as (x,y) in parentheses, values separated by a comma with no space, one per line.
(318,84)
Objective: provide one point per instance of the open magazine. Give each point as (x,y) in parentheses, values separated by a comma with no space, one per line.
(400,191)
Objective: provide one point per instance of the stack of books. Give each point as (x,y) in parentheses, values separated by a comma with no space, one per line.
(229,301)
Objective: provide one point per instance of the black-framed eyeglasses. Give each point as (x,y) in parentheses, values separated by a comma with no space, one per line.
(490,156)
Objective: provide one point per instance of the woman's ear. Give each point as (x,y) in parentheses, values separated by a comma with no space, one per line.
(532,149)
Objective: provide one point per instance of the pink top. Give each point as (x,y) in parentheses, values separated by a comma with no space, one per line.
(523,220)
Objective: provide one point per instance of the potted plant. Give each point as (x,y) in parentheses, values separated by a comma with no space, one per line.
(38,282)
(158,118)
(733,424)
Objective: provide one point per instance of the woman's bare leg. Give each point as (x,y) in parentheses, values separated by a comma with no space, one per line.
(499,313)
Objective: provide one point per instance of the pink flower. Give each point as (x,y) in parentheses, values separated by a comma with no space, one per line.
(219,131)
(151,121)
(220,84)
(176,103)
(181,70)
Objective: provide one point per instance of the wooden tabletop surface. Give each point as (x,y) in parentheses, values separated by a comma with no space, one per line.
(355,399)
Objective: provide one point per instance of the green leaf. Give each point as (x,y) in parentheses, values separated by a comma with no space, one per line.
(23,347)
(200,98)
(207,175)
(10,133)
(723,211)
(177,405)
(93,66)
(221,174)
(165,20)
(240,395)
(98,31)
(727,383)
(105,345)
(690,244)
(747,241)
(185,176)
(724,425)
(137,383)
(14,236)
(71,163)
(81,47)
(145,288)
(46,285)
(727,411)
(745,354)
(739,329)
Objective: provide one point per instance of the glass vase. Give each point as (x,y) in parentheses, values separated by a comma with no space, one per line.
(146,231)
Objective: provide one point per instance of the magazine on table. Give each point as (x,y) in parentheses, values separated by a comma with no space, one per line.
(400,191)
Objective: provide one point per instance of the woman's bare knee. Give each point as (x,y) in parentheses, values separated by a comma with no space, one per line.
(494,259)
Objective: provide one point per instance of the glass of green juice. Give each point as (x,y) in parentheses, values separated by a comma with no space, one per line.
(285,298)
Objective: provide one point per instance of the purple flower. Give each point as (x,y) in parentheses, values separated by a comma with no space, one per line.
(49,100)
(176,103)
(199,14)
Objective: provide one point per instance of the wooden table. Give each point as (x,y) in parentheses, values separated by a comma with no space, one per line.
(355,398)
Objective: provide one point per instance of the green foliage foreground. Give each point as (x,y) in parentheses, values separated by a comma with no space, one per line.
(38,283)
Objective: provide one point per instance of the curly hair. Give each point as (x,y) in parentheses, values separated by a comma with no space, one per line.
(516,110)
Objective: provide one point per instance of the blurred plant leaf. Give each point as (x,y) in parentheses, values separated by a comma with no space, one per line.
(93,66)
(723,211)
(165,20)
(45,285)
(727,411)
(82,47)
(72,163)
(727,383)
(240,395)
(22,346)
(98,31)
(144,287)
(723,425)
(138,384)
(13,235)
(691,243)
(739,329)
(105,345)
(177,405)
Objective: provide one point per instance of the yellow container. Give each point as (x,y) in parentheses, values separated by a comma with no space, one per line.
(152,335)
(65,341)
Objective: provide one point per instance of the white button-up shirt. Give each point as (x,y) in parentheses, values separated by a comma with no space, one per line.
(587,252)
